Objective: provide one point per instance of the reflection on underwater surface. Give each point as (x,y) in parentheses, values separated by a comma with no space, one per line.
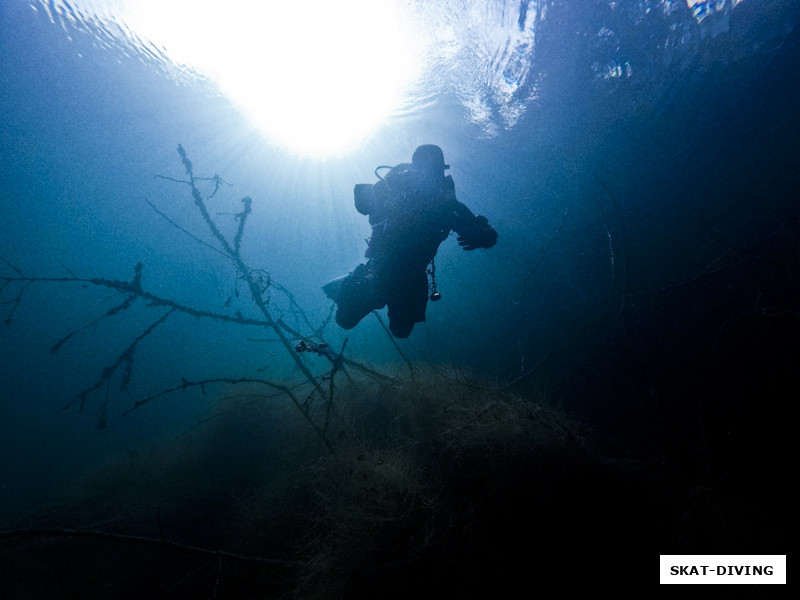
(322,78)
(629,342)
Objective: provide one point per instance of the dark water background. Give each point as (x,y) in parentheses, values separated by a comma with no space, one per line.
(646,201)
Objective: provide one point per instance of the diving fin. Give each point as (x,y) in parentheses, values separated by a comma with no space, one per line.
(333,288)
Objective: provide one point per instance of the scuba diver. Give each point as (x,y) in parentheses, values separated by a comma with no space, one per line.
(411,210)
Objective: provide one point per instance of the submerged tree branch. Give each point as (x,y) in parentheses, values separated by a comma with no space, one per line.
(131,288)
(140,539)
(186,384)
(126,359)
(233,252)
(15,283)
(396,346)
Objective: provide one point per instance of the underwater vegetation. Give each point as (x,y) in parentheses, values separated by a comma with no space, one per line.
(447,487)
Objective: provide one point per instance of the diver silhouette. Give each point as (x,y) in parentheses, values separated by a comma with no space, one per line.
(412,210)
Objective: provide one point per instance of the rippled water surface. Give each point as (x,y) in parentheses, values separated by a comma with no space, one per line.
(485,54)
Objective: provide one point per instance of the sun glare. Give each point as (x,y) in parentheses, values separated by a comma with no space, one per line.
(317,77)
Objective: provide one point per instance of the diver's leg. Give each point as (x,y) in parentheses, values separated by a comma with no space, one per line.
(400,325)
(407,302)
(333,288)
(350,315)
(357,296)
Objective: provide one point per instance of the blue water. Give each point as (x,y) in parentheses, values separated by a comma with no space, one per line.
(639,161)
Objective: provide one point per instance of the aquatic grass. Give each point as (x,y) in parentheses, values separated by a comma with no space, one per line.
(247,489)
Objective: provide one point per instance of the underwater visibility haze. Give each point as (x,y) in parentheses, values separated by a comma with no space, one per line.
(182,417)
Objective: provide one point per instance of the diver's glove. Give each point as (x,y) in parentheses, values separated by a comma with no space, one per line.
(479,235)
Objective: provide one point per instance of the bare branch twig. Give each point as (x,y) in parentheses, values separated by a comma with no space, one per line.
(139,539)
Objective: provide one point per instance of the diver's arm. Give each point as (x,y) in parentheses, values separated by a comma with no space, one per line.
(473,230)
(461,216)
